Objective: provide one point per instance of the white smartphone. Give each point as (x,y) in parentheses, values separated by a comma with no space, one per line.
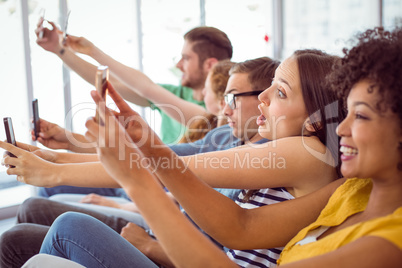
(42,15)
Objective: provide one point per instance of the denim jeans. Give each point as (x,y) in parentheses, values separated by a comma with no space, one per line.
(35,215)
(89,242)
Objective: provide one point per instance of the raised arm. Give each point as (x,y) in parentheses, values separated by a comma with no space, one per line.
(32,169)
(294,162)
(51,41)
(177,108)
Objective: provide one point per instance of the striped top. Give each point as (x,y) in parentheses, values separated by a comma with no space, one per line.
(259,257)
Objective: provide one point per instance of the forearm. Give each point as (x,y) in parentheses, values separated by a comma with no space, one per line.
(155,252)
(79,144)
(83,68)
(223,221)
(173,229)
(133,78)
(84,175)
(64,158)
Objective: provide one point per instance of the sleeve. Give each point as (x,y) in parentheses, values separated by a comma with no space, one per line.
(390,229)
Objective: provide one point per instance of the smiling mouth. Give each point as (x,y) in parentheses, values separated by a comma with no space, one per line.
(348,151)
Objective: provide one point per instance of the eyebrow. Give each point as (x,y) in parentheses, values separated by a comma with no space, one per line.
(285,82)
(357,103)
(230,91)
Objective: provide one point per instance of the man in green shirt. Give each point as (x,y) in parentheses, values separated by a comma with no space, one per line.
(203,47)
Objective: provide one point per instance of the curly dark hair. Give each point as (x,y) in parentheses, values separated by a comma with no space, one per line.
(377,56)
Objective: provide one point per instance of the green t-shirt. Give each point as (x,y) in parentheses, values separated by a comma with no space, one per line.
(171,130)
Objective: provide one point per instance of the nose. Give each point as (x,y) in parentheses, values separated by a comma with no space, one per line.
(179,64)
(264,97)
(227,111)
(343,129)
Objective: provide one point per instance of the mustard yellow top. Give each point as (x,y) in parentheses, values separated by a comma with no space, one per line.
(350,198)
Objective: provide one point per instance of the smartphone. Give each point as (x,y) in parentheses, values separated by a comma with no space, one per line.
(42,12)
(65,27)
(8,125)
(36,123)
(102,77)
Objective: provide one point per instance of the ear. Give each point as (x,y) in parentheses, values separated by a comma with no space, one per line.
(309,125)
(209,63)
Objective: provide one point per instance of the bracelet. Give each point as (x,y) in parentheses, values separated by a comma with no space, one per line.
(62,51)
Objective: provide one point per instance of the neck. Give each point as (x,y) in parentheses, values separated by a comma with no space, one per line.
(385,197)
(197,94)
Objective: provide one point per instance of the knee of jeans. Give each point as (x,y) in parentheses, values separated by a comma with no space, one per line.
(71,219)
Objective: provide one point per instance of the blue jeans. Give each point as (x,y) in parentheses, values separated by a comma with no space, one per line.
(46,192)
(87,241)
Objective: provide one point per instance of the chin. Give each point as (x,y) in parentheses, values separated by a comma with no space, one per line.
(266,134)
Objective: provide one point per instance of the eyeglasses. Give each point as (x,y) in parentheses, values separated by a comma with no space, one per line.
(230,99)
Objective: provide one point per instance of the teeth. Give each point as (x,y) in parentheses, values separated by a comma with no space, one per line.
(348,151)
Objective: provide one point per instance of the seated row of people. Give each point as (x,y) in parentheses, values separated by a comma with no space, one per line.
(292,181)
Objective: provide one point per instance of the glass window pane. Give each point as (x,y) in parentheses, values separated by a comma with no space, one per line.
(14,97)
(113,32)
(392,14)
(46,67)
(326,24)
(247,23)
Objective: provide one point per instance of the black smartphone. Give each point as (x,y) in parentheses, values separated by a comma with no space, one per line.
(102,77)
(36,123)
(8,126)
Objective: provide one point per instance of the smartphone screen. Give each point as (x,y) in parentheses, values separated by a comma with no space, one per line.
(102,77)
(8,125)
(35,111)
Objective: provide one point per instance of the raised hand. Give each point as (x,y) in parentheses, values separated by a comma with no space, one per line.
(136,127)
(115,148)
(51,38)
(28,167)
(51,135)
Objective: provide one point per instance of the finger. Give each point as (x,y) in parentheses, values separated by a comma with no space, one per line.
(96,97)
(89,134)
(50,132)
(53,25)
(11,148)
(118,100)
(104,112)
(9,161)
(26,147)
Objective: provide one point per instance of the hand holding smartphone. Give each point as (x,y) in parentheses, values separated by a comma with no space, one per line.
(8,125)
(101,80)
(36,123)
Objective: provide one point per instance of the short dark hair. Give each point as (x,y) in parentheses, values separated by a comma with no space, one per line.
(322,104)
(209,42)
(260,71)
